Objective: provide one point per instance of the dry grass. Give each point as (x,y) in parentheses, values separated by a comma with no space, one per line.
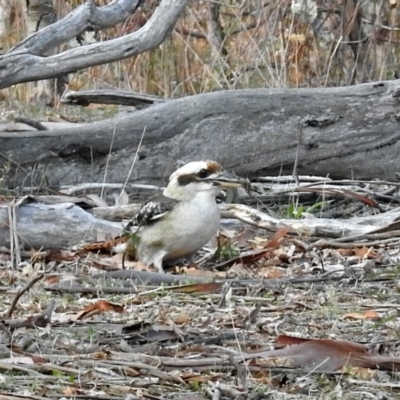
(234,44)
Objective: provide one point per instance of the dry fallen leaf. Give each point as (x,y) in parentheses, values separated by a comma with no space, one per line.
(52,279)
(102,245)
(198,288)
(272,272)
(331,355)
(98,307)
(365,252)
(370,314)
(72,391)
(277,238)
(345,252)
(365,374)
(192,377)
(181,318)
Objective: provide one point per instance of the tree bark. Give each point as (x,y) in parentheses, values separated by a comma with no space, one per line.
(346,132)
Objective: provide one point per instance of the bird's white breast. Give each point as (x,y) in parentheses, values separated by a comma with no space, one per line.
(187,228)
(199,218)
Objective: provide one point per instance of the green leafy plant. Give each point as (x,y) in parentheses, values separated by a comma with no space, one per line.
(227,251)
(295,212)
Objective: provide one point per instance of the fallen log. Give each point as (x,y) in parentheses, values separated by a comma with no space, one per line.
(343,132)
(41,226)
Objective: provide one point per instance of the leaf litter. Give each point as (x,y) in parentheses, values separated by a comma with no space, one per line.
(276,309)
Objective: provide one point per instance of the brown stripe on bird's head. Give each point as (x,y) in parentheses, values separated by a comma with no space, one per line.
(184,180)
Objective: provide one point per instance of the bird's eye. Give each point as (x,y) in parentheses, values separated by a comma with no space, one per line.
(203,174)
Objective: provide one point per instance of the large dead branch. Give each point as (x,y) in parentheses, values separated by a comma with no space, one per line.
(24,63)
(86,16)
(347,132)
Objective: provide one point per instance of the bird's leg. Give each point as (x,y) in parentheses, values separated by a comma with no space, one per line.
(158,262)
(191,258)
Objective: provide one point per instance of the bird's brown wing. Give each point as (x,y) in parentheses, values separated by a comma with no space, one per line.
(154,209)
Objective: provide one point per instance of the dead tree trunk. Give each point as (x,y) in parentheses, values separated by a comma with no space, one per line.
(341,132)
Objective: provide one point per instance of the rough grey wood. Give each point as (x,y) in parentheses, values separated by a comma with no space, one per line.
(347,132)
(86,16)
(24,63)
(55,226)
(110,96)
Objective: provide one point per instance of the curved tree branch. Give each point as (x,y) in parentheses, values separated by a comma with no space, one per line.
(17,66)
(76,22)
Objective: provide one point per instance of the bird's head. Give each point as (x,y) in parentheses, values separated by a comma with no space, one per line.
(200,176)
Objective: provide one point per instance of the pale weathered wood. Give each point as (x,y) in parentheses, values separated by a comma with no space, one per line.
(347,132)
(24,63)
(86,16)
(316,227)
(20,126)
(41,226)
(116,213)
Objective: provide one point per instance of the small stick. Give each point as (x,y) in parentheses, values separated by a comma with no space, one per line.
(21,292)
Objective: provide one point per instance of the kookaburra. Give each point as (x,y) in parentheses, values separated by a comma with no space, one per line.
(186,216)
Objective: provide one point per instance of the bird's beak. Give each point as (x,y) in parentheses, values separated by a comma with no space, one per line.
(228,180)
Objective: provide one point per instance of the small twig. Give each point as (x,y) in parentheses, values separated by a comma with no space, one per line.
(10,218)
(133,162)
(391,242)
(13,367)
(31,122)
(318,180)
(14,229)
(21,292)
(240,371)
(14,242)
(150,278)
(370,236)
(25,253)
(226,293)
(107,161)
(90,290)
(11,161)
(191,33)
(88,186)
